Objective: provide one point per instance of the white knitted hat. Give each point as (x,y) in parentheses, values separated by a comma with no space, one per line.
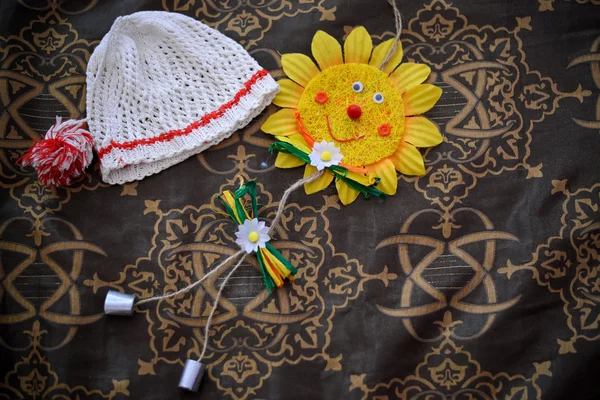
(162,87)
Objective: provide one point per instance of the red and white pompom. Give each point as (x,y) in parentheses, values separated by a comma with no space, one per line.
(63,154)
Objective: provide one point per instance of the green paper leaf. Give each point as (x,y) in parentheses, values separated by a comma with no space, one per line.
(283,147)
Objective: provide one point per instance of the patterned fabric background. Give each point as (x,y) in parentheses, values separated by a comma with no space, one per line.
(479,280)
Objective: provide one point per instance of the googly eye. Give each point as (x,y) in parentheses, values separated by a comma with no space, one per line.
(357,87)
(378,98)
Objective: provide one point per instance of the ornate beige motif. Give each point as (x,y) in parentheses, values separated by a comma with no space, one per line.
(63,6)
(240,367)
(593,58)
(449,372)
(248,21)
(491,102)
(442,271)
(34,378)
(253,331)
(21,265)
(569,264)
(41,201)
(130,189)
(45,63)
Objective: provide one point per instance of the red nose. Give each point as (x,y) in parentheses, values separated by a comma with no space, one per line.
(354,111)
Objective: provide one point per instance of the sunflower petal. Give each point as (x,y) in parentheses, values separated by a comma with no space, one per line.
(320,183)
(282,123)
(408,160)
(420,98)
(346,193)
(409,75)
(285,160)
(289,95)
(365,180)
(299,68)
(297,141)
(386,172)
(358,46)
(326,50)
(421,132)
(381,52)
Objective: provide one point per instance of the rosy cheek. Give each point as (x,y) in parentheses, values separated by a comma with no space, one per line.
(321,97)
(384,130)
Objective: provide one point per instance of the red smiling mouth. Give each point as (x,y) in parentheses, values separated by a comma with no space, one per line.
(340,140)
(310,141)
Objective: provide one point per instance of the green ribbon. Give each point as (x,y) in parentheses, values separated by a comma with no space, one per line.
(249,189)
(338,171)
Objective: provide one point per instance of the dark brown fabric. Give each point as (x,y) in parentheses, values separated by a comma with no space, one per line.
(479,280)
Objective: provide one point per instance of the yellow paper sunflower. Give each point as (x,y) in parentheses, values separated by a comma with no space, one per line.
(352,116)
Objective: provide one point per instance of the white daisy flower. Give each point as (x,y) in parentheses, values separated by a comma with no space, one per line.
(325,154)
(252,235)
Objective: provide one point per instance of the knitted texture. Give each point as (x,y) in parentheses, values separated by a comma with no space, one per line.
(162,87)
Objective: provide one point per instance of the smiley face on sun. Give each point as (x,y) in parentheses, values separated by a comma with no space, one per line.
(352,115)
(357,108)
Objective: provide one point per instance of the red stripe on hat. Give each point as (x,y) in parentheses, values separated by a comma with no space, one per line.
(205,120)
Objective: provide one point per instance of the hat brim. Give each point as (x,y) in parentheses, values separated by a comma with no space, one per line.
(129,161)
